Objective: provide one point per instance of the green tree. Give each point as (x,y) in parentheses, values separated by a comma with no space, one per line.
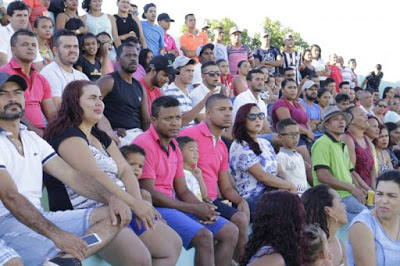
(277,32)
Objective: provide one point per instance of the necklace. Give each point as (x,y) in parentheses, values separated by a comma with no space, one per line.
(398,228)
(65,78)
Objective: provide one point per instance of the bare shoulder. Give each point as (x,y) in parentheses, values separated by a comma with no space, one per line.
(275,259)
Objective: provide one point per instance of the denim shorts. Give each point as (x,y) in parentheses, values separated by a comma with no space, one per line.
(186,225)
(33,248)
(353,207)
(225,210)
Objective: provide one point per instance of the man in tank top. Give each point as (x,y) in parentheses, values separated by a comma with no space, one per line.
(126,114)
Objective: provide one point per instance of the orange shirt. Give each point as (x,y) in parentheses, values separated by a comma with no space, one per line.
(193,41)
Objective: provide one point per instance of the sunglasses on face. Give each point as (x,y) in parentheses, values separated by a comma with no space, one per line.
(382,106)
(291,134)
(252,116)
(213,73)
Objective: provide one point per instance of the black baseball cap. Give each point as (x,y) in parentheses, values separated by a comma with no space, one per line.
(146,7)
(164,16)
(162,62)
(4,77)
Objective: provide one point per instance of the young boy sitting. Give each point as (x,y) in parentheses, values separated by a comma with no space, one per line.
(136,156)
(342,101)
(291,161)
(193,176)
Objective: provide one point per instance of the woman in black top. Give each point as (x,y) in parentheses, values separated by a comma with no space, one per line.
(70,20)
(77,140)
(87,63)
(127,24)
(306,68)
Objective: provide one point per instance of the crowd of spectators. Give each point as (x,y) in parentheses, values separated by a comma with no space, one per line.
(154,144)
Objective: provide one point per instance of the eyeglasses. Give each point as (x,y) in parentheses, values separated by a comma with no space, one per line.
(252,116)
(382,106)
(291,134)
(213,73)
(136,13)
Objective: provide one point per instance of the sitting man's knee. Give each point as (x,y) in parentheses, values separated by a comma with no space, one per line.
(203,237)
(14,262)
(240,220)
(146,195)
(231,232)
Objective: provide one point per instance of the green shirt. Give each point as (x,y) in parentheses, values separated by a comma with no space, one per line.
(328,153)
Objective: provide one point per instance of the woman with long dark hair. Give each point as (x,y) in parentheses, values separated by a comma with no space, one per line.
(278,236)
(388,93)
(394,140)
(320,67)
(381,143)
(252,160)
(145,56)
(76,138)
(70,20)
(324,207)
(239,80)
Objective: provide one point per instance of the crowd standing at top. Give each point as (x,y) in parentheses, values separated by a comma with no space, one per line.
(156,146)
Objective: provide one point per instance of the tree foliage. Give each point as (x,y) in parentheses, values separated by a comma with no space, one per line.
(276,30)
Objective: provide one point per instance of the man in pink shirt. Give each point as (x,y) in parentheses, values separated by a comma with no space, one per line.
(237,51)
(161,69)
(164,21)
(39,103)
(196,222)
(213,162)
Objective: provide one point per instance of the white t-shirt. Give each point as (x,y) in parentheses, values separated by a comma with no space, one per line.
(26,171)
(58,78)
(220,51)
(392,116)
(319,66)
(197,74)
(193,184)
(5,47)
(248,97)
(293,165)
(198,95)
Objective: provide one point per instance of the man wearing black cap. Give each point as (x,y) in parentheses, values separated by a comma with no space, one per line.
(153,33)
(159,72)
(126,112)
(165,22)
(27,233)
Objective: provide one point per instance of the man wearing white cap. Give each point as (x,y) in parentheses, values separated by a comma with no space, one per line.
(291,58)
(204,53)
(237,51)
(331,161)
(178,90)
(268,55)
(310,95)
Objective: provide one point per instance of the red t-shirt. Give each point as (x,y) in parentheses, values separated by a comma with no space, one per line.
(151,94)
(37,91)
(336,74)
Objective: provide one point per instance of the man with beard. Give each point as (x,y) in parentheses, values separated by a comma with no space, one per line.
(39,103)
(331,164)
(310,95)
(27,233)
(360,148)
(60,72)
(197,222)
(158,73)
(125,112)
(213,162)
(255,81)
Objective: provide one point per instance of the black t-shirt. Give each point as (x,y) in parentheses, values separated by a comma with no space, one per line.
(92,71)
(57,193)
(126,25)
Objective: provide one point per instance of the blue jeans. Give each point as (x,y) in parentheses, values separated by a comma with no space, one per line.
(353,207)
(252,201)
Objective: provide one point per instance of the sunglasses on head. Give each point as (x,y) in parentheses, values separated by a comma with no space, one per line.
(252,116)
(213,73)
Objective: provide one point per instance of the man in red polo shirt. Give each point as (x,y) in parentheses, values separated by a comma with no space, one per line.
(213,162)
(39,103)
(197,223)
(336,73)
(161,69)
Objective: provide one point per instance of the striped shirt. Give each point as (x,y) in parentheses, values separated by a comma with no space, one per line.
(185,102)
(292,60)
